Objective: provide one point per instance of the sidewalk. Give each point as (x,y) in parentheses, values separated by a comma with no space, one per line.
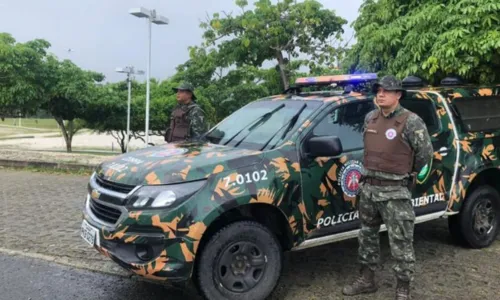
(48,150)
(60,160)
(84,140)
(41,216)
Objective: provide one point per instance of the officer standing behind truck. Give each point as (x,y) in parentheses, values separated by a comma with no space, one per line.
(187,120)
(397,145)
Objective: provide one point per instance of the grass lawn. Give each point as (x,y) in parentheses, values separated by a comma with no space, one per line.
(32,123)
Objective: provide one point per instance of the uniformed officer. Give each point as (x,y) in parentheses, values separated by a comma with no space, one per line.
(397,145)
(187,120)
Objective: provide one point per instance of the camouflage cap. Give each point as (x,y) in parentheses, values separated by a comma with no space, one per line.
(185,86)
(389,83)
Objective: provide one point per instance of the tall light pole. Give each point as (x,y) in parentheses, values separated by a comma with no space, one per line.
(129,71)
(152,17)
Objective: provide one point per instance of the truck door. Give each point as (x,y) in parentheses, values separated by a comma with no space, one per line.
(331,184)
(434,182)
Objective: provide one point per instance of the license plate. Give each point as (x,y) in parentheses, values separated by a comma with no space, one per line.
(89,234)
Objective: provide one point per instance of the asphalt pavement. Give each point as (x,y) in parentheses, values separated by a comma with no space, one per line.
(32,279)
(40,217)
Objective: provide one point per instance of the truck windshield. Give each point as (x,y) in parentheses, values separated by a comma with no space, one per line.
(261,124)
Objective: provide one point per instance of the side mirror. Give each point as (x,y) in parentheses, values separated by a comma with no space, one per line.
(324,146)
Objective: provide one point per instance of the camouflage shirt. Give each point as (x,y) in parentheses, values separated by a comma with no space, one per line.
(416,135)
(196,117)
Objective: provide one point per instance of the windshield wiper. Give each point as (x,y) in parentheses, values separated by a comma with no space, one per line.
(259,120)
(290,123)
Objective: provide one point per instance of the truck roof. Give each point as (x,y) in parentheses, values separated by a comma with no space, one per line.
(322,96)
(449,91)
(461,91)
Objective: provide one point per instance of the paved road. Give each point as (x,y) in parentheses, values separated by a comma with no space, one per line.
(40,213)
(80,140)
(32,279)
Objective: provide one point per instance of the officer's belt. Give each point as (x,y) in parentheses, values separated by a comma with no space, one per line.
(380,182)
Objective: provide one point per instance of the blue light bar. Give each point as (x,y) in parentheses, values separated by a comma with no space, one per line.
(335,79)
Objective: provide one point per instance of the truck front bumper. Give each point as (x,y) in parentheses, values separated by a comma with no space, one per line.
(142,249)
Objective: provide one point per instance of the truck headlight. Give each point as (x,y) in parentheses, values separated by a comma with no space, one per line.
(158,196)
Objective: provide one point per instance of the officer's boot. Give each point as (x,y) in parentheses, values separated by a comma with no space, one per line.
(365,283)
(403,290)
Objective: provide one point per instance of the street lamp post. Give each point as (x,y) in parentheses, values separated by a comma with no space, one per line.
(129,71)
(152,17)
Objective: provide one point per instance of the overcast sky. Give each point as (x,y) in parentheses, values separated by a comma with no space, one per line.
(103,35)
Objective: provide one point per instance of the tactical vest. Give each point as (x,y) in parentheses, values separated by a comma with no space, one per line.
(179,125)
(385,149)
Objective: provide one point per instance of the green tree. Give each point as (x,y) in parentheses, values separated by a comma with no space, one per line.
(279,32)
(241,86)
(110,101)
(107,112)
(21,75)
(429,38)
(68,91)
(202,68)
(218,88)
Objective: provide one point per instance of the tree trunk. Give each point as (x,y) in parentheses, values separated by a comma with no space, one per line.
(281,64)
(71,133)
(123,141)
(120,137)
(67,138)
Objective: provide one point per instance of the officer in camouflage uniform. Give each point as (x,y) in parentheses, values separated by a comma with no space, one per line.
(187,121)
(397,146)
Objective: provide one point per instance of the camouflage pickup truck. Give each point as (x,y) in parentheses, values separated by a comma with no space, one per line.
(281,174)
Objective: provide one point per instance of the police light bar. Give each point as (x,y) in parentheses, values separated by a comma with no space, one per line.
(324,80)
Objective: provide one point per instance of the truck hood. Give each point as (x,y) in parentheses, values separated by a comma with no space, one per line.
(174,163)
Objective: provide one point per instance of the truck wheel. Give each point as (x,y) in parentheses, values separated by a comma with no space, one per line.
(241,261)
(477,223)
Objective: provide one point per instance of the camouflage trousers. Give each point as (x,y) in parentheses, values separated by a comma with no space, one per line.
(398,215)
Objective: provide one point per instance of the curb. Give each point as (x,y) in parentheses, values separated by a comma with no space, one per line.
(43,164)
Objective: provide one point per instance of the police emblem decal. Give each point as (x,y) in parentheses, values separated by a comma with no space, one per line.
(390,134)
(350,174)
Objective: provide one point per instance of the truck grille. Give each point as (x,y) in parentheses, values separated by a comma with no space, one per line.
(105,213)
(113,186)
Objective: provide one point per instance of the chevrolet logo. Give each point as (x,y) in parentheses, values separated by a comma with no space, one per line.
(95,194)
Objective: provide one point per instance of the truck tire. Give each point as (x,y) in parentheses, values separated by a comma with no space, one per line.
(227,259)
(477,224)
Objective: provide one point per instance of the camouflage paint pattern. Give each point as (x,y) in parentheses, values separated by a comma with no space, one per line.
(398,213)
(479,151)
(304,190)
(399,217)
(278,184)
(196,117)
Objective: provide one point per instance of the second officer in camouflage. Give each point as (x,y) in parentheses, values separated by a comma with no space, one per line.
(397,145)
(187,120)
